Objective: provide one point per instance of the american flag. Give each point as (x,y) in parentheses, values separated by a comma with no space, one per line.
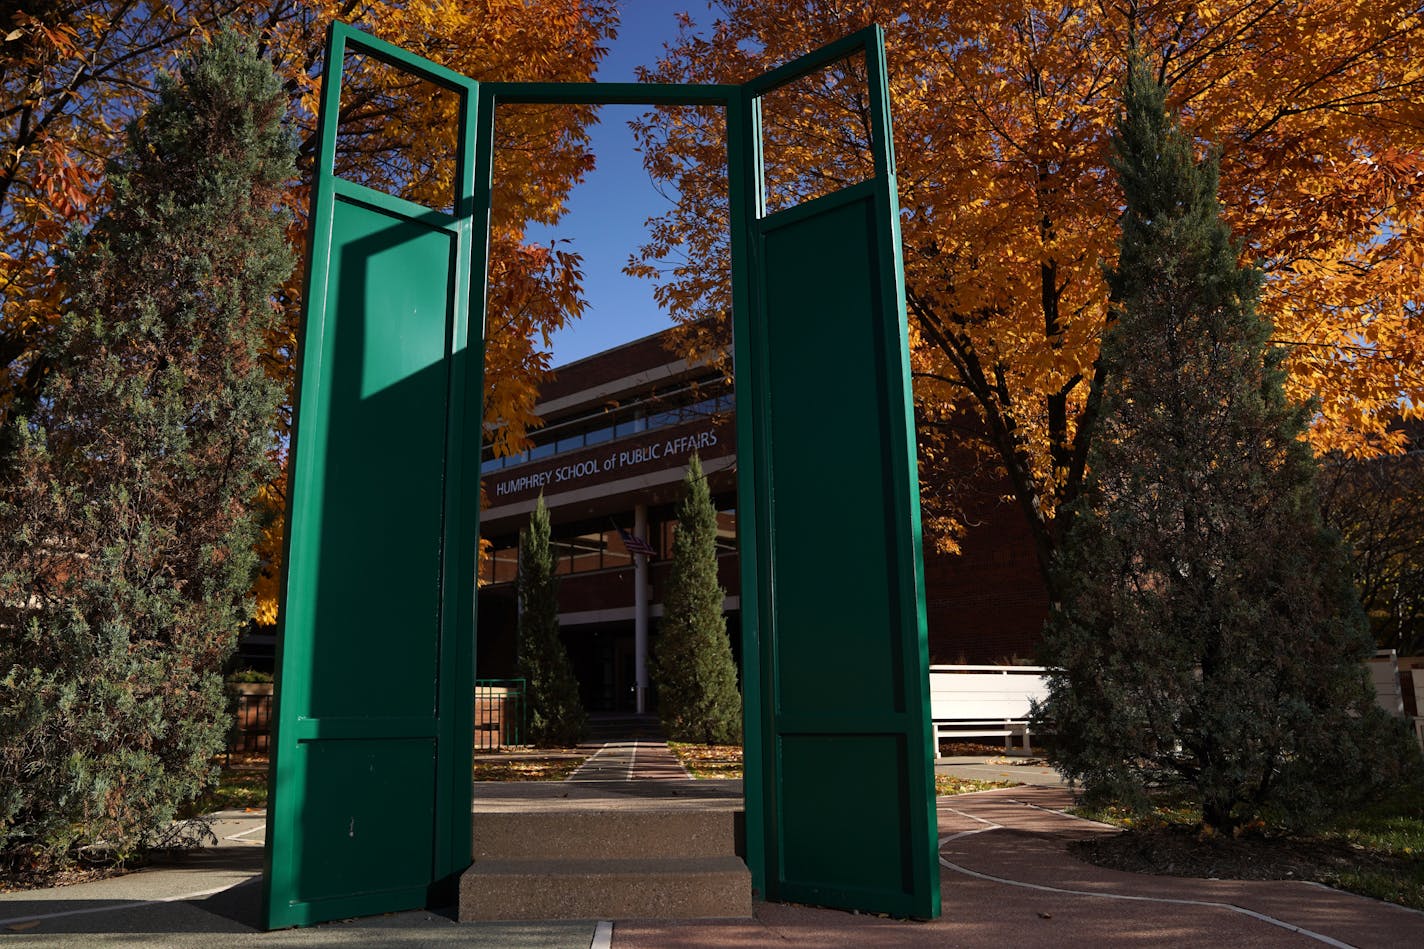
(636,544)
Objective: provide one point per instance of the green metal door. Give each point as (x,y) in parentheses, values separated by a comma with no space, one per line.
(371,760)
(840,786)
(370,789)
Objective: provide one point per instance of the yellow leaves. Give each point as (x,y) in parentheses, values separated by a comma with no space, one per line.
(66,122)
(271,503)
(1003,119)
(533,291)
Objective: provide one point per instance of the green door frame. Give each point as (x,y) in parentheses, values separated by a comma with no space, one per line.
(351,296)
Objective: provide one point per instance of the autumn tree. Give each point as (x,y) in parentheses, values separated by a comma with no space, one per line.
(73,73)
(1207,637)
(1003,114)
(127,558)
(556,715)
(698,698)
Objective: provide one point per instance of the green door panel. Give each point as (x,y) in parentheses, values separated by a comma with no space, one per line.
(820,289)
(382,469)
(840,783)
(355,788)
(825,828)
(370,789)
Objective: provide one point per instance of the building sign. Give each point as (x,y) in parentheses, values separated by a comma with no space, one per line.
(567,472)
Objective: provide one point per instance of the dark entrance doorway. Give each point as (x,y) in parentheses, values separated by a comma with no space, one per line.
(602,657)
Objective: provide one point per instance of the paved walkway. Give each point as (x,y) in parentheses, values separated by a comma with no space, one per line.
(632,760)
(1007,880)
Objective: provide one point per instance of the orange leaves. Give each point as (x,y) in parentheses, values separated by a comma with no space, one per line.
(533,291)
(1004,112)
(73,75)
(65,182)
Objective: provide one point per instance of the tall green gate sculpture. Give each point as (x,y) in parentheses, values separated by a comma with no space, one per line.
(371,790)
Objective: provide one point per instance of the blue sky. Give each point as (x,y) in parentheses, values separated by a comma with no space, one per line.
(606,213)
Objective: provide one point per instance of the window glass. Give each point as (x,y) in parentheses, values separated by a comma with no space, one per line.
(562,562)
(541,451)
(598,436)
(586,551)
(504,564)
(614,553)
(727,530)
(569,442)
(628,427)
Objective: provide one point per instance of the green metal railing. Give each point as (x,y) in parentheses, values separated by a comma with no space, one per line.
(500,713)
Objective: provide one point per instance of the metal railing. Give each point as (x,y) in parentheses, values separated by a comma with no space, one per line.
(251,723)
(500,717)
(500,713)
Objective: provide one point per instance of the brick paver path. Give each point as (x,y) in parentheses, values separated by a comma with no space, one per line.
(631,760)
(1008,880)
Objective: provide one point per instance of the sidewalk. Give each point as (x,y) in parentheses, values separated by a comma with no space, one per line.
(1007,880)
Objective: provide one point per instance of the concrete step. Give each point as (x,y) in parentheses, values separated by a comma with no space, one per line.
(662,888)
(607,834)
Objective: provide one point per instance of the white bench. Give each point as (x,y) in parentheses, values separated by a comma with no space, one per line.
(984,702)
(1384,676)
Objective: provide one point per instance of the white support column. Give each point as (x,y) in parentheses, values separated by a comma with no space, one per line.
(640,608)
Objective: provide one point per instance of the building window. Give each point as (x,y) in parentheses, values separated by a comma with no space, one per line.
(606,424)
(665,532)
(586,553)
(502,564)
(727,531)
(615,555)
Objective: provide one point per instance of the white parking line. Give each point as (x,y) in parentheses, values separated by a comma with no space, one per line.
(243,833)
(1050,810)
(122,905)
(1318,937)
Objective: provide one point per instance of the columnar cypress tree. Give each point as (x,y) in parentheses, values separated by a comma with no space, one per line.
(556,715)
(126,559)
(694,671)
(1210,638)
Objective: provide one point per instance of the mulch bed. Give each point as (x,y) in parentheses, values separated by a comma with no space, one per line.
(965,748)
(709,761)
(541,765)
(16,876)
(1183,851)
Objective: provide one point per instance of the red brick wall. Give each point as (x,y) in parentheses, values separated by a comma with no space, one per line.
(987,604)
(600,368)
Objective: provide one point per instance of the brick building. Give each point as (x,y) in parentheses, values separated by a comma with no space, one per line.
(619,429)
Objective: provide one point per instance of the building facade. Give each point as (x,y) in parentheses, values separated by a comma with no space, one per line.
(619,429)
